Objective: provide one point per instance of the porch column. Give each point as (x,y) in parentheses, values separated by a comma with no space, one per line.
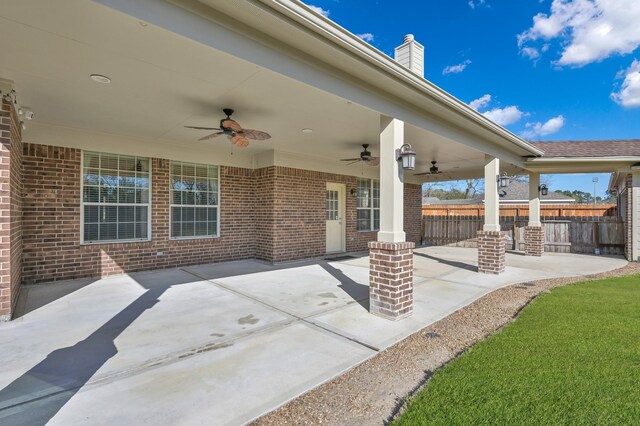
(533,232)
(491,242)
(391,257)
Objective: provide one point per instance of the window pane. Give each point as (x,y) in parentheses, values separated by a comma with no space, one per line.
(91,176)
(127,195)
(91,194)
(108,161)
(201,229)
(187,229)
(127,164)
(142,230)
(376,220)
(108,214)
(142,214)
(364,220)
(126,231)
(91,159)
(91,214)
(126,214)
(90,231)
(108,231)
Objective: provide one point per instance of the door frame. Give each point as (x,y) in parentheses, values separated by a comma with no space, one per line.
(342,202)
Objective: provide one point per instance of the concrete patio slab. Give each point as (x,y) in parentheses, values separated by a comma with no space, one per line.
(222,343)
(227,385)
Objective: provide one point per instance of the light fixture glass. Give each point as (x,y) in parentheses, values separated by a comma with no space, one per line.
(407,155)
(503,181)
(307,130)
(544,190)
(99,78)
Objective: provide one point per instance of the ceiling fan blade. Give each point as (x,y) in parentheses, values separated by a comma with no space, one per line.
(255,134)
(350,159)
(422,174)
(354,162)
(211,136)
(373,161)
(240,141)
(228,123)
(202,128)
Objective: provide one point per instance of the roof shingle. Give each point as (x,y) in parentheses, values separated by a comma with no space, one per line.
(602,148)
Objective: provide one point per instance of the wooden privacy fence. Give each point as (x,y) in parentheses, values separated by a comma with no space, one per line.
(562,234)
(518,210)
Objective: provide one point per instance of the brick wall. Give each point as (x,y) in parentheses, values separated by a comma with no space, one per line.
(52,249)
(11,209)
(299,217)
(273,213)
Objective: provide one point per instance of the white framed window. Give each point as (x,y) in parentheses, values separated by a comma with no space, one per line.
(368,205)
(195,210)
(116,201)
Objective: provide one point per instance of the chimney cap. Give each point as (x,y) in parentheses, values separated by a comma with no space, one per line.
(408,38)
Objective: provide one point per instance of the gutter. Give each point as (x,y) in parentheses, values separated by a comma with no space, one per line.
(544,160)
(339,36)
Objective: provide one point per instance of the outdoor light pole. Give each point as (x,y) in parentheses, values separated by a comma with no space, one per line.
(595,181)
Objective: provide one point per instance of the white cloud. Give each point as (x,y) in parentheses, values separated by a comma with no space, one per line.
(504,116)
(543,129)
(629,94)
(530,52)
(501,116)
(590,30)
(472,4)
(481,102)
(366,37)
(455,69)
(319,10)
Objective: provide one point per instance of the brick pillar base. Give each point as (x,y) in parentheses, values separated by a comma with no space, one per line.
(491,252)
(533,240)
(391,279)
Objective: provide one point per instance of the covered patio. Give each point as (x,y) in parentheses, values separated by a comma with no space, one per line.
(258,334)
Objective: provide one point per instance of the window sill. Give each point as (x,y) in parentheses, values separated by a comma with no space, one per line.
(368,230)
(206,237)
(98,243)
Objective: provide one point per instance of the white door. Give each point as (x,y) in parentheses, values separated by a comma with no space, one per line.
(335,217)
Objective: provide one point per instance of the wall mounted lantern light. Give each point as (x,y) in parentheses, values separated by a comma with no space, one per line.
(543,189)
(407,155)
(503,180)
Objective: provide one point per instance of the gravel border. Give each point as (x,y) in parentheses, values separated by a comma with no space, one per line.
(374,392)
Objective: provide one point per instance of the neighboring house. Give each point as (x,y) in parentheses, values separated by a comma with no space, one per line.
(516,193)
(104,178)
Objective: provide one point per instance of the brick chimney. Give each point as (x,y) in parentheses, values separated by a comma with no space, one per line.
(410,54)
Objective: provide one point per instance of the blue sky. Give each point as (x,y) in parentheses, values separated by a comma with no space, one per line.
(545,69)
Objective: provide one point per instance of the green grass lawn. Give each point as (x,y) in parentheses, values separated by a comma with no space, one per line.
(572,357)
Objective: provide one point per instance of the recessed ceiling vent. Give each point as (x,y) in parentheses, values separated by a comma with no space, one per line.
(410,54)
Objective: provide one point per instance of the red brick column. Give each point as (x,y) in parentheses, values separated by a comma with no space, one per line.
(491,252)
(10,209)
(533,240)
(391,279)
